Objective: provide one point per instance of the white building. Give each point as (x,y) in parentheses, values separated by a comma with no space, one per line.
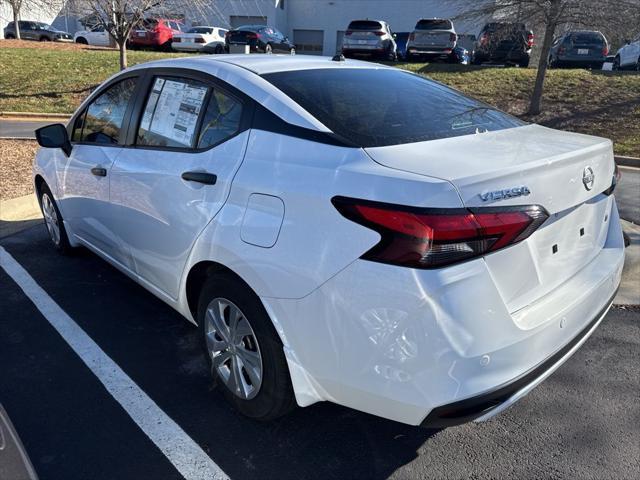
(315,26)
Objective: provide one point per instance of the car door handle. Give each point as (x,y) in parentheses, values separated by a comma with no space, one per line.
(99,171)
(200,177)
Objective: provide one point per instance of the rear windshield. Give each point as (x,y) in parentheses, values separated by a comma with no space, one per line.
(588,37)
(364,25)
(434,25)
(205,30)
(502,27)
(374,108)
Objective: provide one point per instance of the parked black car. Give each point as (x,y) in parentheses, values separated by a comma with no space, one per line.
(38,31)
(504,42)
(260,38)
(579,49)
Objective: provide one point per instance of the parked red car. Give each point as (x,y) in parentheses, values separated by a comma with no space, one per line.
(155,33)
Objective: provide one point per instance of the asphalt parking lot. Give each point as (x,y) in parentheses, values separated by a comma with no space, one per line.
(583,422)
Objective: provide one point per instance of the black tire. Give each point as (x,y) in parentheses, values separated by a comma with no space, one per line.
(62,243)
(268,48)
(476,60)
(524,63)
(275,396)
(638,65)
(218,50)
(82,41)
(10,37)
(616,64)
(44,38)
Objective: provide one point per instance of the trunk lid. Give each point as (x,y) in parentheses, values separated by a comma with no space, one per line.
(528,165)
(432,39)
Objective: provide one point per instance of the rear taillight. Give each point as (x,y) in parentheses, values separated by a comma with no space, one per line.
(484,38)
(561,51)
(379,34)
(251,36)
(348,32)
(605,51)
(453,37)
(412,36)
(200,40)
(530,40)
(431,238)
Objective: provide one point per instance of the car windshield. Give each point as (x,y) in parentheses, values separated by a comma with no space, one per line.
(364,25)
(379,107)
(42,26)
(434,25)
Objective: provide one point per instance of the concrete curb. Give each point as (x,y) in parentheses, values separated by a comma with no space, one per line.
(34,116)
(17,214)
(627,161)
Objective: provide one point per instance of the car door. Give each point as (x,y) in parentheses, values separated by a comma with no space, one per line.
(632,52)
(28,30)
(187,143)
(98,133)
(280,42)
(98,36)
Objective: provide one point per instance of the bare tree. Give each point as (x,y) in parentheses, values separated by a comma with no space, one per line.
(551,15)
(18,6)
(117,17)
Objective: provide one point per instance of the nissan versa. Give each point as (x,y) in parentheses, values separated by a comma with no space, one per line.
(342,231)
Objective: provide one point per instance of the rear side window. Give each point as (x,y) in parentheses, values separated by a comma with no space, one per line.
(373,108)
(102,120)
(434,25)
(185,113)
(364,25)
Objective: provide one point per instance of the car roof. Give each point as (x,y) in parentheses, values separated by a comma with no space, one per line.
(243,72)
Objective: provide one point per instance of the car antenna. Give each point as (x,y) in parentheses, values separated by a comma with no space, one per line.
(338,58)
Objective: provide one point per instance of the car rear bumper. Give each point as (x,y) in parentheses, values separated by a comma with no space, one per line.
(495,56)
(188,47)
(436,347)
(581,60)
(485,406)
(363,50)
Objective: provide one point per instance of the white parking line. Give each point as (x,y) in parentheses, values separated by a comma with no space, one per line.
(180,449)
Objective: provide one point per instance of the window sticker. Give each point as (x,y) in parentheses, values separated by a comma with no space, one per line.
(173,110)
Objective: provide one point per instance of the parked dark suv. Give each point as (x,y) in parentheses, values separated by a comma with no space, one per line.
(579,49)
(38,31)
(503,42)
(260,38)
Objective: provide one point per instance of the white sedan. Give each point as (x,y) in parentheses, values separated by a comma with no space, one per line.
(196,38)
(96,35)
(342,231)
(628,57)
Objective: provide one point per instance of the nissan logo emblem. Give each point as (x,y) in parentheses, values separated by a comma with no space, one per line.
(588,178)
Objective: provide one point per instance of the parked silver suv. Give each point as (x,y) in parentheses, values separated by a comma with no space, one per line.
(432,38)
(371,38)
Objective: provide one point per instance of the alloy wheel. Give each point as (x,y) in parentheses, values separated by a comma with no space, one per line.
(51,218)
(233,347)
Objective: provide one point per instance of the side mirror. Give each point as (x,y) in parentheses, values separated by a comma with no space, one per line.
(54,136)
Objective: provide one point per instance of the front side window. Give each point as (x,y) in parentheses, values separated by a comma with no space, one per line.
(103,119)
(373,108)
(177,115)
